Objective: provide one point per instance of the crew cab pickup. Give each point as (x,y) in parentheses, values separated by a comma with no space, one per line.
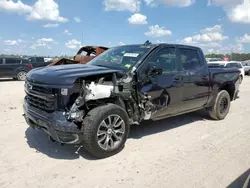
(94,104)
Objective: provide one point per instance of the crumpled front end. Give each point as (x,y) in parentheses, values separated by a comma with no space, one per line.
(55,125)
(41,111)
(60,111)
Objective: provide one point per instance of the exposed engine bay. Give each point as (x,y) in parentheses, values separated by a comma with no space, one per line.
(110,89)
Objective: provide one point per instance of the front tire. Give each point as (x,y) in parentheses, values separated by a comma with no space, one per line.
(221,106)
(105,130)
(21,75)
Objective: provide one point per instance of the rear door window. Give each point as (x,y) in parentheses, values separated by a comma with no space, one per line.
(1,61)
(232,65)
(39,59)
(24,61)
(11,61)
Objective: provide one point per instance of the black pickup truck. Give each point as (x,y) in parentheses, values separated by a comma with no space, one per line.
(94,104)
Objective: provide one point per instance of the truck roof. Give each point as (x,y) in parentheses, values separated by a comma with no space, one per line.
(164,44)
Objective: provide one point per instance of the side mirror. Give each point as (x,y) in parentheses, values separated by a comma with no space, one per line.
(153,71)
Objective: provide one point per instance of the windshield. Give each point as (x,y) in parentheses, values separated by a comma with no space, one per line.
(122,57)
(233,65)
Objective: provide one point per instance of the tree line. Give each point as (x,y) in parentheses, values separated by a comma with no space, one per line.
(232,57)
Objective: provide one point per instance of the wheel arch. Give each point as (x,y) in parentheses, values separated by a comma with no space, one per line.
(230,88)
(227,86)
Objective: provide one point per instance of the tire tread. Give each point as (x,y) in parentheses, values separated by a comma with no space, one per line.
(90,125)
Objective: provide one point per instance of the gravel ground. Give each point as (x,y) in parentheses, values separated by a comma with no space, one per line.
(184,151)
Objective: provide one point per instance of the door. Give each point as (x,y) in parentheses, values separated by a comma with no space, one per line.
(37,61)
(195,79)
(164,90)
(9,66)
(1,68)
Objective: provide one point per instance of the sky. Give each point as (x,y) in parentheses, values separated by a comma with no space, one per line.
(60,27)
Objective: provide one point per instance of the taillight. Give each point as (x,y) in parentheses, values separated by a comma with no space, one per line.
(30,65)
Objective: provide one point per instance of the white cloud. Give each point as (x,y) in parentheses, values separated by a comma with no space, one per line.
(240,13)
(215,29)
(121,43)
(11,42)
(16,7)
(235,48)
(73,44)
(207,35)
(222,49)
(149,2)
(122,5)
(42,42)
(50,25)
(176,3)
(77,19)
(46,10)
(211,40)
(237,10)
(160,41)
(138,19)
(210,45)
(224,3)
(245,39)
(45,40)
(67,32)
(157,31)
(41,10)
(20,40)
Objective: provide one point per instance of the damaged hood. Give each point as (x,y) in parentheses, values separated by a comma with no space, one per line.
(65,75)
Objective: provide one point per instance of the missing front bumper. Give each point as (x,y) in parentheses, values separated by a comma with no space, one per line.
(53,124)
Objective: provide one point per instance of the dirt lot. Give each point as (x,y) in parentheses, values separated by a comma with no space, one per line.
(185,151)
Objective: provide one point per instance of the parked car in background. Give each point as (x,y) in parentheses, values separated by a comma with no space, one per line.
(39,61)
(229,64)
(15,68)
(246,65)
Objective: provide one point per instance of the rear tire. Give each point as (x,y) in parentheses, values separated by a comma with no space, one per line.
(21,75)
(221,106)
(101,140)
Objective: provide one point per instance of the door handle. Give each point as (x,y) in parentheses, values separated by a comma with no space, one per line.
(204,76)
(178,78)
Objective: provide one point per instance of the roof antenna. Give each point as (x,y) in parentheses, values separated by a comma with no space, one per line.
(147,43)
